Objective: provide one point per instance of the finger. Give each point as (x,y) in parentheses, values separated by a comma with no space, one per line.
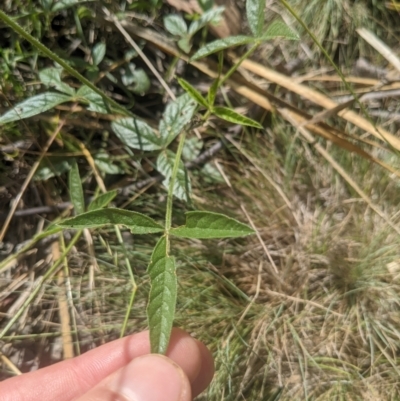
(206,373)
(182,348)
(147,378)
(70,379)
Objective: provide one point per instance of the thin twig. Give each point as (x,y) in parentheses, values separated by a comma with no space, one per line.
(139,52)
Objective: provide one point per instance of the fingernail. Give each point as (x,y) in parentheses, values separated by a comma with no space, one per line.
(152,378)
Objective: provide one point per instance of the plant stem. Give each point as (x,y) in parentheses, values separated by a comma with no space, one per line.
(168,213)
(237,64)
(34,42)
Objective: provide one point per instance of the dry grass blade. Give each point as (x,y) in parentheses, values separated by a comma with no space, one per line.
(329,113)
(265,175)
(10,365)
(380,46)
(139,51)
(249,219)
(66,336)
(333,78)
(321,100)
(343,173)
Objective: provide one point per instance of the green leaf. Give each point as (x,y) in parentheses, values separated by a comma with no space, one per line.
(176,115)
(162,298)
(206,4)
(233,117)
(33,106)
(52,77)
(136,79)
(75,189)
(102,200)
(222,44)
(165,164)
(212,16)
(213,92)
(98,53)
(96,102)
(175,24)
(255,15)
(136,134)
(64,4)
(105,164)
(52,167)
(184,43)
(46,4)
(211,173)
(193,92)
(191,148)
(138,223)
(205,225)
(279,29)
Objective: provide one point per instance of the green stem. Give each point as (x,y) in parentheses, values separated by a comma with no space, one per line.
(237,64)
(168,213)
(34,42)
(43,279)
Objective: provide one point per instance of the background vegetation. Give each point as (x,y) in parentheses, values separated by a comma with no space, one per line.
(306,309)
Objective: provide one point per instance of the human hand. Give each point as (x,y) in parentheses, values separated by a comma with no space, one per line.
(122,370)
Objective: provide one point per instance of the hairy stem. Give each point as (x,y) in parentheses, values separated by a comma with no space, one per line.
(168,213)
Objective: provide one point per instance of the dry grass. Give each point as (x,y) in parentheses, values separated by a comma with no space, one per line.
(326,326)
(323,327)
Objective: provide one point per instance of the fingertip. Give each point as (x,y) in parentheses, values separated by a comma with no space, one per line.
(147,378)
(206,372)
(194,358)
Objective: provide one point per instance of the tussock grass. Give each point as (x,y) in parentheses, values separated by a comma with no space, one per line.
(334,23)
(326,327)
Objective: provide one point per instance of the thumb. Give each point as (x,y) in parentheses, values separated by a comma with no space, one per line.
(146,378)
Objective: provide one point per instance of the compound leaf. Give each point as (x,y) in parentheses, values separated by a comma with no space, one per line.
(205,225)
(138,223)
(136,134)
(162,299)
